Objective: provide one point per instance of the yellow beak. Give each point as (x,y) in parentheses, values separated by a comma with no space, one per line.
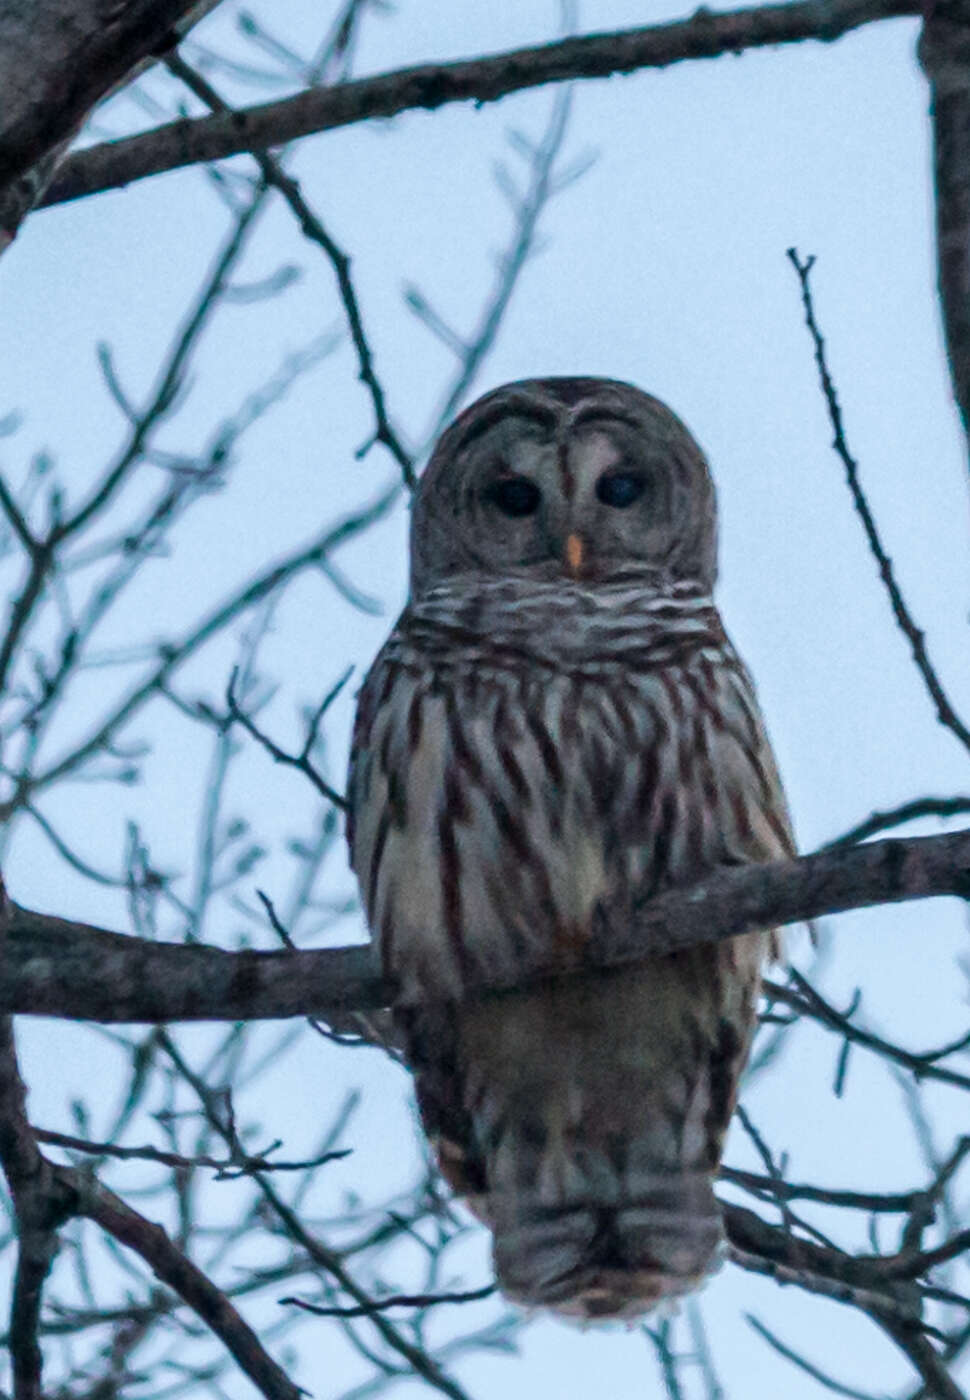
(574,553)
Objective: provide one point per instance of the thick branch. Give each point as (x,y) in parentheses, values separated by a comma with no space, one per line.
(174,1268)
(56,62)
(53,967)
(944,52)
(40,1206)
(703,35)
(37,1211)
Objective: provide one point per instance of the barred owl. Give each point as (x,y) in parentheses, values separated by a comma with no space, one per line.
(557,726)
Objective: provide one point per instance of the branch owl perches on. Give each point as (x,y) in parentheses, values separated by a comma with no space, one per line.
(557,724)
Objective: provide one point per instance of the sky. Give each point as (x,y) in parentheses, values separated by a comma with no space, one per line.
(664,264)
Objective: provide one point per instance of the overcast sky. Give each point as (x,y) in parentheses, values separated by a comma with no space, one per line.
(664,265)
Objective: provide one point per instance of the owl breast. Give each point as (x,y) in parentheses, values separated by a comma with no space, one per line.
(506,784)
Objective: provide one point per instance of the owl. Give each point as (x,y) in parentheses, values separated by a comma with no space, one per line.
(558,727)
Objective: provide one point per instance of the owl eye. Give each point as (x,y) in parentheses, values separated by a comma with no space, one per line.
(620,489)
(515,495)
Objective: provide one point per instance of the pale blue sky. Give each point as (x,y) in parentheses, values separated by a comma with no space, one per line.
(665,265)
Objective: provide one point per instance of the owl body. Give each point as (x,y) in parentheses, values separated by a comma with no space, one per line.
(537,746)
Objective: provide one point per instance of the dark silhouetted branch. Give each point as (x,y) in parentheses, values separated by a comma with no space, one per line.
(944,52)
(54,967)
(55,64)
(703,35)
(302,761)
(225,1169)
(172,655)
(40,1203)
(312,228)
(804,999)
(945,712)
(208,1302)
(919,807)
(396,1300)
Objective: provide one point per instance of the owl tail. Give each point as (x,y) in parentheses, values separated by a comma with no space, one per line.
(595,1261)
(598,1108)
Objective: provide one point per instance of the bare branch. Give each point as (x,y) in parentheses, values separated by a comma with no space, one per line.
(173,371)
(803,1364)
(302,761)
(945,712)
(54,967)
(703,35)
(528,208)
(919,807)
(313,229)
(808,1002)
(17,522)
(169,1264)
(861,1281)
(770,1188)
(931,1367)
(40,1206)
(43,552)
(173,655)
(53,71)
(944,52)
(418,1359)
(396,1300)
(225,1169)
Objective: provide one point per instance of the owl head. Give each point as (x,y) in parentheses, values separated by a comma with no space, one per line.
(588,479)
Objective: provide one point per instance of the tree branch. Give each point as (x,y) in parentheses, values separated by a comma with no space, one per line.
(917,808)
(702,35)
(313,229)
(172,655)
(53,967)
(944,52)
(40,1204)
(169,1264)
(945,712)
(54,66)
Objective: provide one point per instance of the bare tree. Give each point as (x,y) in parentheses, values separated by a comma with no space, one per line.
(258,1260)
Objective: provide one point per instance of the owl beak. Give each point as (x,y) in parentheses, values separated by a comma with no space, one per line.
(575,552)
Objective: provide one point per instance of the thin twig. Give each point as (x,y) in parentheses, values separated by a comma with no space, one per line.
(313,229)
(175,654)
(807,1000)
(225,1169)
(916,810)
(767,1187)
(421,1362)
(396,1300)
(41,1206)
(301,761)
(945,712)
(803,1364)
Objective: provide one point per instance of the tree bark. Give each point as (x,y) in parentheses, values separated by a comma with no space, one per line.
(58,58)
(944,52)
(53,967)
(704,34)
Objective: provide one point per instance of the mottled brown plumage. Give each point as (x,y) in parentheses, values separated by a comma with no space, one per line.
(558,724)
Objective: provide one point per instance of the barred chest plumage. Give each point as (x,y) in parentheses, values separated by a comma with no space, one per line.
(520,759)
